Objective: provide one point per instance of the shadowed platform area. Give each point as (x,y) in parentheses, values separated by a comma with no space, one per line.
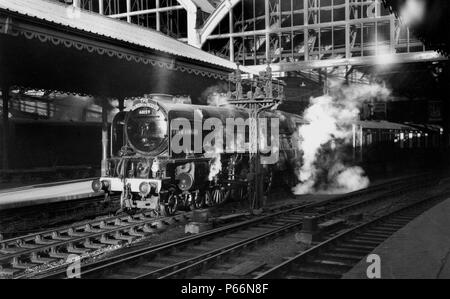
(421,250)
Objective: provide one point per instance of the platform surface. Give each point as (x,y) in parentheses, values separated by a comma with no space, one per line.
(420,250)
(46,193)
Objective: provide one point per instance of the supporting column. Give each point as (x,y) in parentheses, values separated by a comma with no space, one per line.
(191,10)
(158,16)
(121,104)
(354,142)
(5,133)
(100,7)
(128,11)
(361,143)
(347,30)
(231,18)
(104,137)
(306,31)
(267,20)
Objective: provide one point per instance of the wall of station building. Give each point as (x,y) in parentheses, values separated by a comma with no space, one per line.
(49,145)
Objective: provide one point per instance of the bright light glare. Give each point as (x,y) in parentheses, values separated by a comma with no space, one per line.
(385,59)
(413,12)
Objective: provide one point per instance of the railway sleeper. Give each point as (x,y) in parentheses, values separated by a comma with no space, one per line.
(235,237)
(324,268)
(123,237)
(108,226)
(138,270)
(384,231)
(92,230)
(37,259)
(8,271)
(11,250)
(391,226)
(376,241)
(311,273)
(371,234)
(170,260)
(188,254)
(332,265)
(156,264)
(135,233)
(59,237)
(91,245)
(75,250)
(397,221)
(17,264)
(75,233)
(342,257)
(354,245)
(58,255)
(358,242)
(352,251)
(42,241)
(29,246)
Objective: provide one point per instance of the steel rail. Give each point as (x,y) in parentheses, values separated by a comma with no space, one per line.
(124,259)
(310,255)
(210,257)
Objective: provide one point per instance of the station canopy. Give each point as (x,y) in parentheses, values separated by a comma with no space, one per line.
(51,46)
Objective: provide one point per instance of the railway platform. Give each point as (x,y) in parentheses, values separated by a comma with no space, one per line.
(420,250)
(46,193)
(55,192)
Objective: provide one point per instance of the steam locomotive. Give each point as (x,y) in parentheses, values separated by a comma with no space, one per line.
(150,174)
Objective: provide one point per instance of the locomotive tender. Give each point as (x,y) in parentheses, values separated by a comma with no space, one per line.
(151,175)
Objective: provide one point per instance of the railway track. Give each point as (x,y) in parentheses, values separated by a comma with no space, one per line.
(27,252)
(178,258)
(26,220)
(336,256)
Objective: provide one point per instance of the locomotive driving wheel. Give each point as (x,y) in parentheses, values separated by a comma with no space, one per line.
(220,195)
(217,196)
(169,207)
(198,201)
(208,198)
(268,180)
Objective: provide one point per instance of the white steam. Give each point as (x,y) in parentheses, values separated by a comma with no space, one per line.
(215,166)
(329,123)
(216,95)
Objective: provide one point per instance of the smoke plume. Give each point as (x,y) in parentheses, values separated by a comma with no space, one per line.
(215,95)
(215,167)
(330,119)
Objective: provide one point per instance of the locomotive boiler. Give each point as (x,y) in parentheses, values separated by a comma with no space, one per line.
(150,171)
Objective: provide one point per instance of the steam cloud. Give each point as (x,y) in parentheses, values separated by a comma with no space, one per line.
(215,167)
(216,95)
(330,118)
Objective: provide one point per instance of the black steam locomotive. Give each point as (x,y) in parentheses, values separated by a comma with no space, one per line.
(150,174)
